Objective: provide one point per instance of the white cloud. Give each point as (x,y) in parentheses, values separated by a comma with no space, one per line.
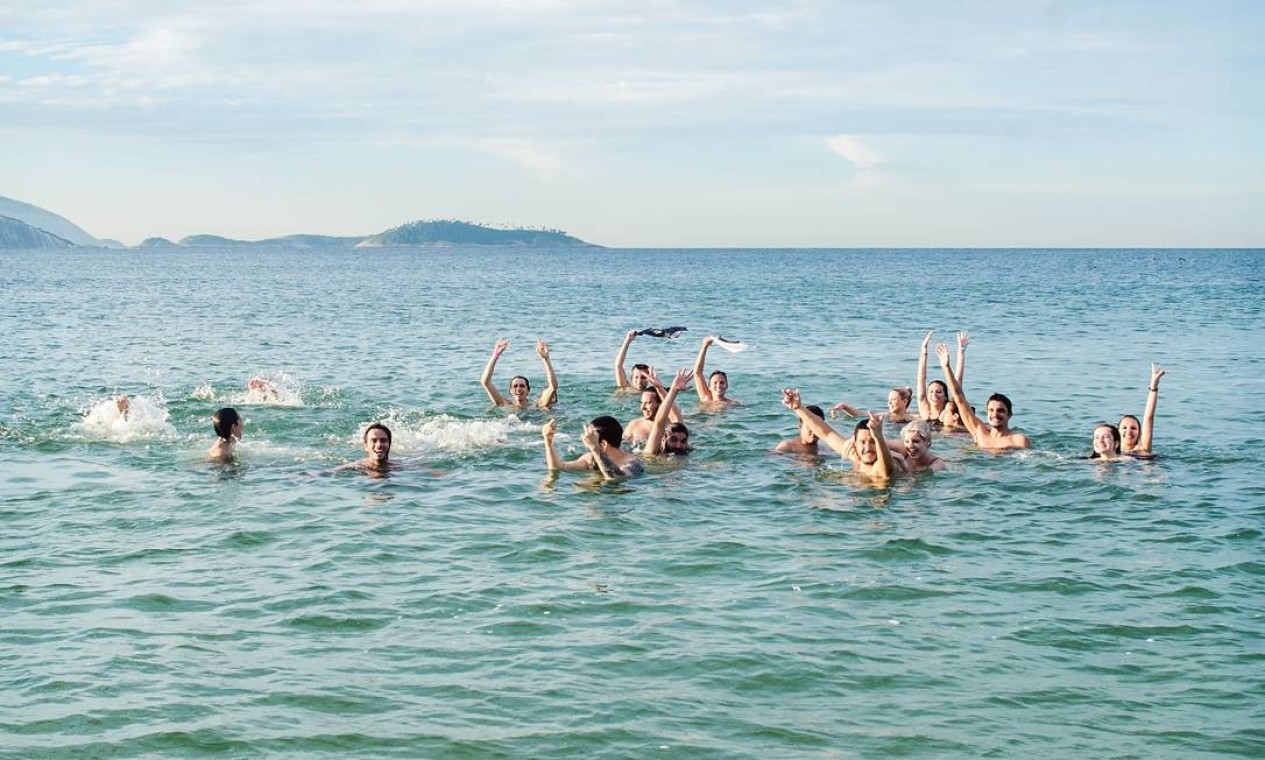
(856,152)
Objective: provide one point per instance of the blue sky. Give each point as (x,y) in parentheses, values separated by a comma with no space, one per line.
(654,123)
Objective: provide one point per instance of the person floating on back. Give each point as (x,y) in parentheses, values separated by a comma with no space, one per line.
(228,426)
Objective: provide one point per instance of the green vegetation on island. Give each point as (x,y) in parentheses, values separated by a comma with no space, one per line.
(449,232)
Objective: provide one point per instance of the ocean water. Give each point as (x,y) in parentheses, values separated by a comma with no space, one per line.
(743,605)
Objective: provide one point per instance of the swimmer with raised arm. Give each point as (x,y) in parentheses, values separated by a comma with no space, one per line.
(806,442)
(866,449)
(897,406)
(227,424)
(673,440)
(1135,437)
(639,380)
(712,389)
(933,397)
(601,437)
(519,387)
(994,435)
(638,430)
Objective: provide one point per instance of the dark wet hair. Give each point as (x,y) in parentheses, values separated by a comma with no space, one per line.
(862,425)
(715,373)
(376,426)
(524,379)
(224,420)
(816,410)
(1128,417)
(940,383)
(642,367)
(609,430)
(1010,410)
(1115,435)
(679,427)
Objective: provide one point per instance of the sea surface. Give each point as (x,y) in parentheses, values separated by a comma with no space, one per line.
(742,605)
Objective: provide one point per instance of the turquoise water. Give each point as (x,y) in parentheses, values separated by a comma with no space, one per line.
(744,605)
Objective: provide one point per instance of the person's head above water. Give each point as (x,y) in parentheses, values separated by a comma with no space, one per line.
(937,394)
(863,443)
(609,431)
(898,399)
(917,438)
(640,378)
(1106,441)
(999,410)
(227,423)
(806,433)
(377,441)
(519,388)
(718,382)
(650,403)
(1130,431)
(676,440)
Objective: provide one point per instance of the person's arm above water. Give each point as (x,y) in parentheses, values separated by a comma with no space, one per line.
(1148,417)
(847,409)
(486,380)
(700,382)
(554,460)
(924,406)
(550,393)
(886,465)
(592,441)
(621,377)
(976,427)
(964,340)
(654,444)
(819,427)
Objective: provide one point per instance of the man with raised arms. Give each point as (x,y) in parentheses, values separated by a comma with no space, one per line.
(995,435)
(866,449)
(602,438)
(675,439)
(712,389)
(640,380)
(519,387)
(638,430)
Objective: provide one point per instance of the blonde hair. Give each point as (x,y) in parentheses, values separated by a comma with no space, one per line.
(918,426)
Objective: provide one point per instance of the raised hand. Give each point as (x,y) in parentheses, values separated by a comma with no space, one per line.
(875,424)
(790,399)
(926,341)
(542,349)
(964,340)
(942,351)
(1156,373)
(683,378)
(548,430)
(500,347)
(652,376)
(590,438)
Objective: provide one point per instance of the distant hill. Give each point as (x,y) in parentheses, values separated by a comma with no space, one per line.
(48,222)
(156,242)
(451,233)
(287,241)
(15,233)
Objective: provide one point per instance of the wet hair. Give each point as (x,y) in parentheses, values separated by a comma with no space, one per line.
(609,430)
(942,384)
(906,394)
(715,373)
(917,426)
(1115,436)
(1010,410)
(224,421)
(1128,417)
(862,425)
(364,437)
(520,377)
(642,367)
(816,410)
(679,427)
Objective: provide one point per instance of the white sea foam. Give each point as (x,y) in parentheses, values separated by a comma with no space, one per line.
(447,433)
(270,389)
(144,417)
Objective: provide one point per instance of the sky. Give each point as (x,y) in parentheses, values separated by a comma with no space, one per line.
(657,123)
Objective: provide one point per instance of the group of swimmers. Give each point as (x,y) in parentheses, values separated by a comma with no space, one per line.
(660,430)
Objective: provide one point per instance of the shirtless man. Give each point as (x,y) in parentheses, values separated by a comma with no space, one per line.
(866,449)
(806,442)
(377,442)
(519,387)
(673,440)
(995,435)
(602,438)
(638,430)
(228,427)
(640,380)
(711,392)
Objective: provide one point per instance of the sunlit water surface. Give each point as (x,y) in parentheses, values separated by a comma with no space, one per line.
(746,604)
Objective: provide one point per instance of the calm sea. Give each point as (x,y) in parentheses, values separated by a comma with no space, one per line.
(745,605)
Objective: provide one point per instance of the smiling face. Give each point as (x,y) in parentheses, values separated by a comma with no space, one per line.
(640,378)
(676,442)
(1130,432)
(998,416)
(865,445)
(916,444)
(949,417)
(519,388)
(1105,441)
(377,446)
(936,395)
(896,402)
(718,383)
(649,404)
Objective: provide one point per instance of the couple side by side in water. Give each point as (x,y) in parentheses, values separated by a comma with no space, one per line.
(662,432)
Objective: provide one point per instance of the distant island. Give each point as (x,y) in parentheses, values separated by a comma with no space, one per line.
(24,226)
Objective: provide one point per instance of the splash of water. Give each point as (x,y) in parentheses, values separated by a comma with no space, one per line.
(127,418)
